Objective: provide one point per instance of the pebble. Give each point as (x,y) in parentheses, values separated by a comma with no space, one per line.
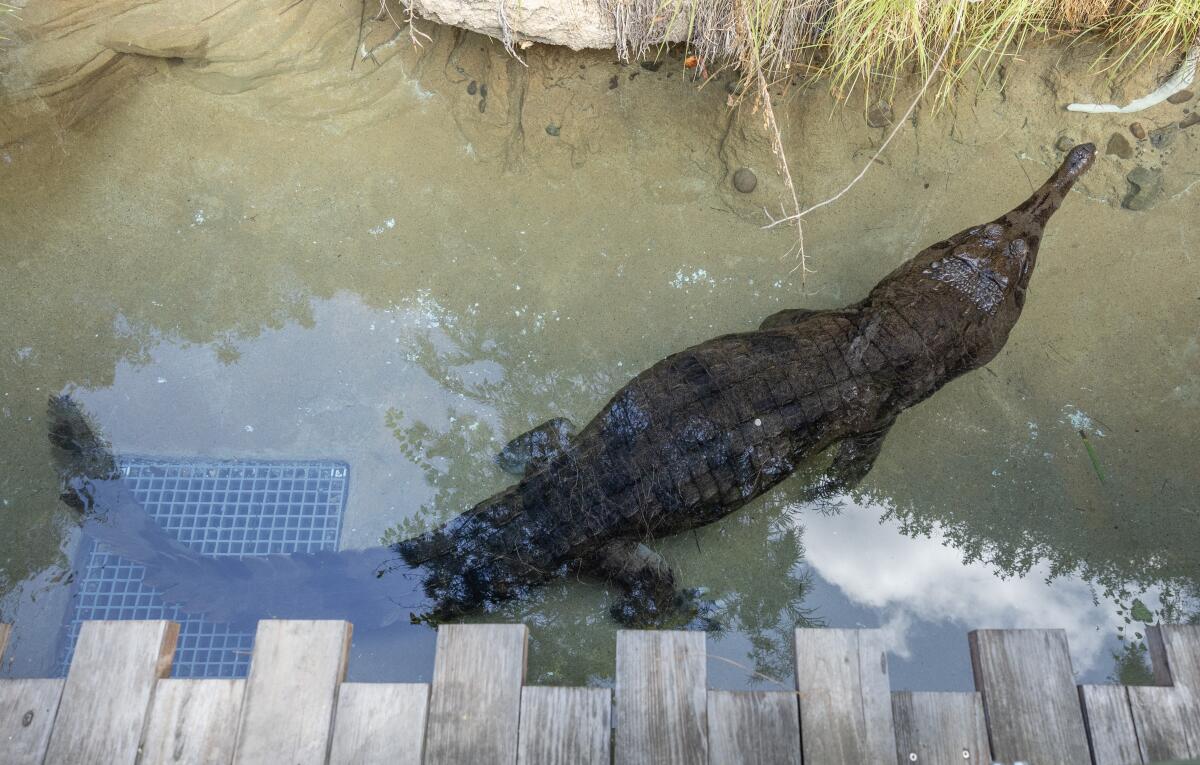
(1162,136)
(744,180)
(1188,121)
(553,130)
(1138,130)
(651,66)
(879,115)
(472,87)
(1064,143)
(1145,187)
(613,82)
(1182,97)
(1119,145)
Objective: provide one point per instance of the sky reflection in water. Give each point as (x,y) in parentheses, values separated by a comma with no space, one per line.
(405,373)
(397,302)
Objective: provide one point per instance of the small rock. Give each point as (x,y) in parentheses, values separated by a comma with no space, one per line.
(1119,145)
(744,180)
(483,90)
(1182,97)
(1161,137)
(472,88)
(1188,121)
(651,66)
(553,130)
(1138,130)
(879,115)
(613,82)
(1145,185)
(1064,143)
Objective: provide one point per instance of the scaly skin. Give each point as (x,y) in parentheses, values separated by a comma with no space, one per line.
(706,430)
(686,442)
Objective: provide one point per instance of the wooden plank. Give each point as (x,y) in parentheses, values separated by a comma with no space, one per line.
(662,702)
(1167,721)
(475,699)
(1029,696)
(193,721)
(27,711)
(380,723)
(1109,722)
(753,728)
(940,728)
(287,710)
(109,690)
(845,696)
(1175,653)
(565,725)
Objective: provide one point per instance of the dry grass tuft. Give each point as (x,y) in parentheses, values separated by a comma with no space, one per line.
(871,44)
(1146,28)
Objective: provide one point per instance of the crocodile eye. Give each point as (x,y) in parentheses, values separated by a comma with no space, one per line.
(993,231)
(1018,248)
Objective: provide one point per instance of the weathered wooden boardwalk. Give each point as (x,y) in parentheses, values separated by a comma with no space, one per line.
(117,705)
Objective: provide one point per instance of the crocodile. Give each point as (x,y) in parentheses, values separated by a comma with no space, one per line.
(684,443)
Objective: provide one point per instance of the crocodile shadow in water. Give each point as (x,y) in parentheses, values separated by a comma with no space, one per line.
(684,443)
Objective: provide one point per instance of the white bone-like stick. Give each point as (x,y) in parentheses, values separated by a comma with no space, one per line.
(1179,81)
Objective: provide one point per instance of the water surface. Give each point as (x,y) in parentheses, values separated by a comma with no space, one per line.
(403,285)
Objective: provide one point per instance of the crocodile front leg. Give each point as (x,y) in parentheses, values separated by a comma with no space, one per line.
(650,595)
(854,458)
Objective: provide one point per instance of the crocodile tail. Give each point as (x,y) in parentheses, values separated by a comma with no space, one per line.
(78,449)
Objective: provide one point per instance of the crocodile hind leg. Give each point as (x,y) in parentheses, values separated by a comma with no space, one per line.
(529,450)
(651,597)
(854,458)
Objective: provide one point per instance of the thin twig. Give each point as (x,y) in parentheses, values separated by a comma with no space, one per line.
(772,127)
(362,20)
(751,670)
(506,33)
(409,16)
(899,124)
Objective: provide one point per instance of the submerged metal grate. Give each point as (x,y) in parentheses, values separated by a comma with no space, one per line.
(218,509)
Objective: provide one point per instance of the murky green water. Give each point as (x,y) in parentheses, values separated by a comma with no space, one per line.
(406,281)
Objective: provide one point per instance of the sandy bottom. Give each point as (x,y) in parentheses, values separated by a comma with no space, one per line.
(406,281)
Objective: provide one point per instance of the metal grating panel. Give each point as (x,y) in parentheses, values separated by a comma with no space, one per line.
(219,509)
